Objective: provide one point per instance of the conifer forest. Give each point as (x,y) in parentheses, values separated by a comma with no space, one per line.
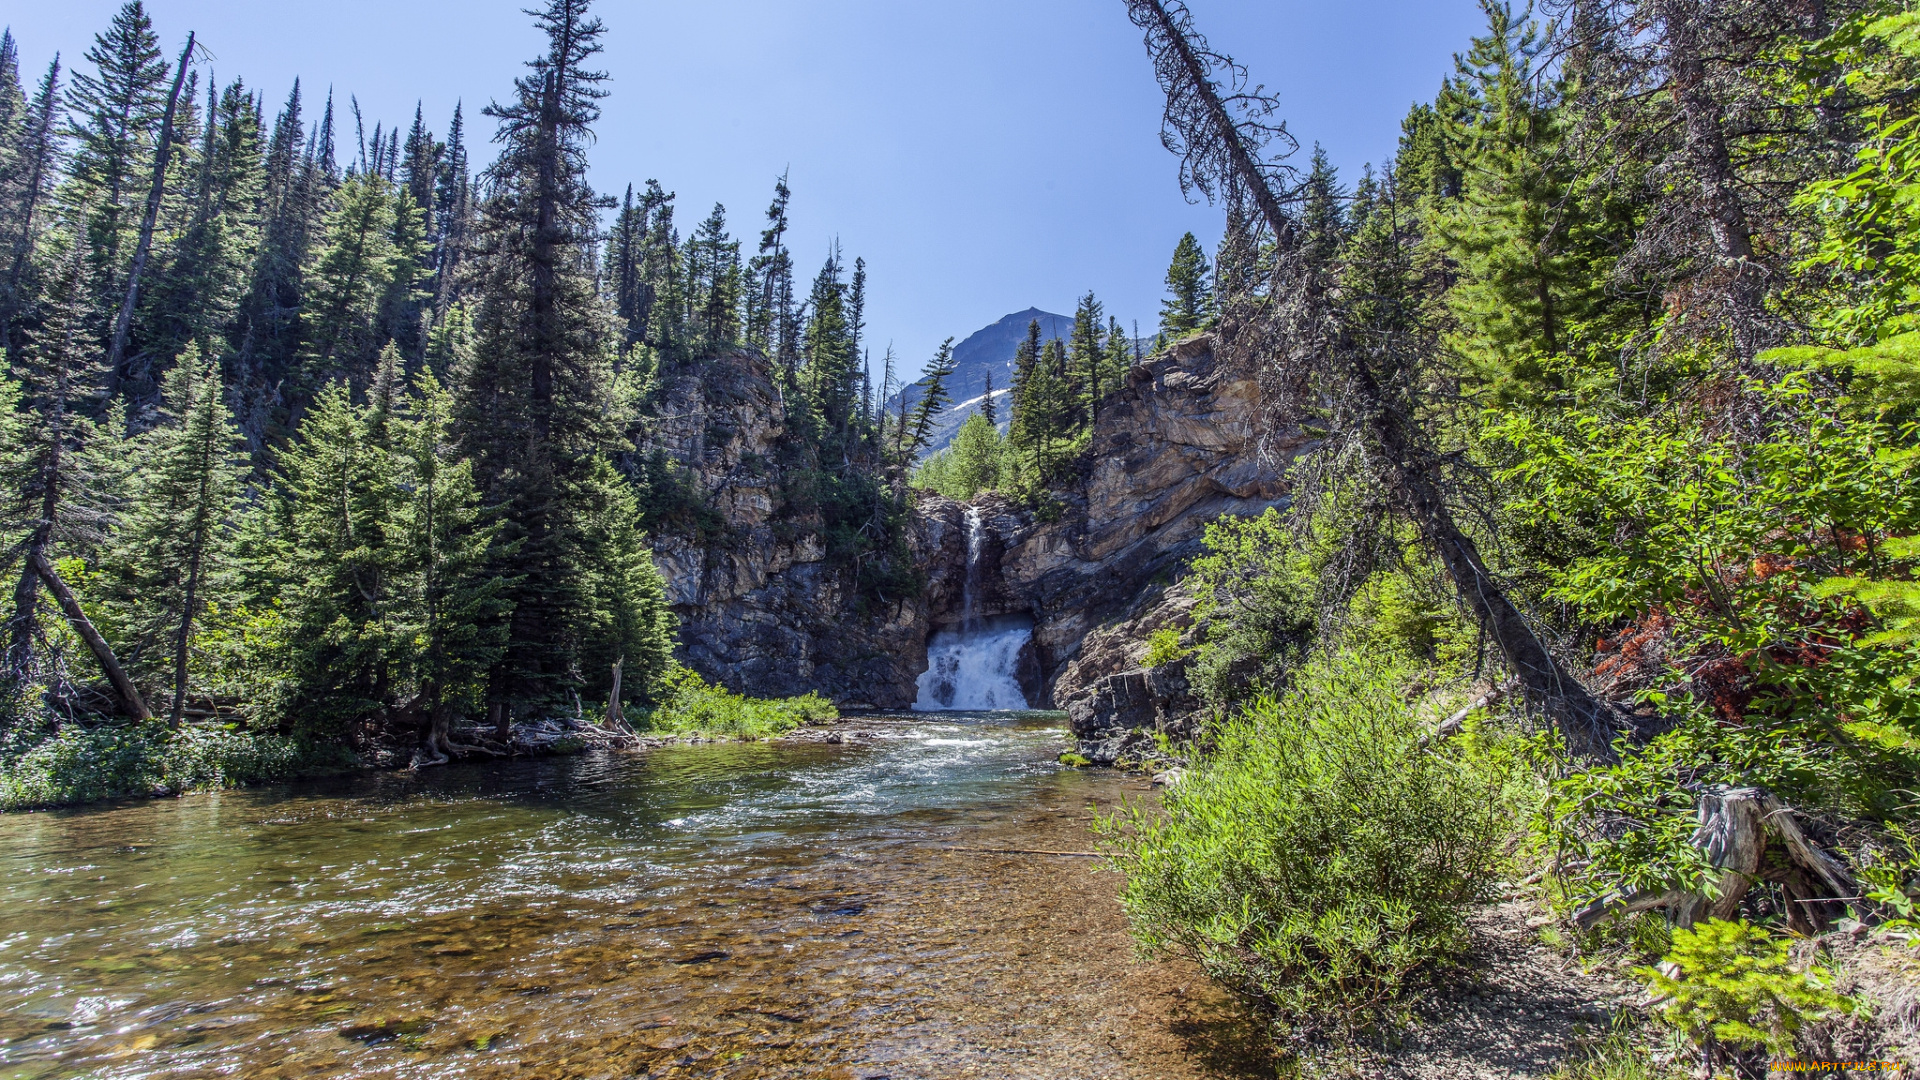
(1472,626)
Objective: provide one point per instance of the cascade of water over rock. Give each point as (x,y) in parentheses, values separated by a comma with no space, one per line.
(971,665)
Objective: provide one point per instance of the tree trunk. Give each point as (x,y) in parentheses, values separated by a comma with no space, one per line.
(616,716)
(1585,722)
(1582,720)
(1681,22)
(182,639)
(130,700)
(116,352)
(1733,833)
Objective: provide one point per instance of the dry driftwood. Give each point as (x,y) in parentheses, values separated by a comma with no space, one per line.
(1735,827)
(1451,725)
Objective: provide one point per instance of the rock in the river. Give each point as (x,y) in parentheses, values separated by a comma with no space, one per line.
(1116,718)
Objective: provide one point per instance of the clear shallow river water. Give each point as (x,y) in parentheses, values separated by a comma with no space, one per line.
(767,910)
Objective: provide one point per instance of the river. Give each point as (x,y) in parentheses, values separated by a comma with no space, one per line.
(747,910)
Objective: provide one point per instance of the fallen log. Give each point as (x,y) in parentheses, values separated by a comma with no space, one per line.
(128,695)
(1451,726)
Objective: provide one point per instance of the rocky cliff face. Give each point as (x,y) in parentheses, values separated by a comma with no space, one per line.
(761,609)
(1175,449)
(764,613)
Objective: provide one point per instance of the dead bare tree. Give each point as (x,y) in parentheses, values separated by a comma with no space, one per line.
(163,148)
(1224,133)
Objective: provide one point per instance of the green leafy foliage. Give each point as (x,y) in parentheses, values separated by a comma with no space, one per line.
(83,764)
(1163,648)
(978,460)
(1893,882)
(1733,984)
(1254,593)
(1322,856)
(1189,303)
(1725,551)
(689,705)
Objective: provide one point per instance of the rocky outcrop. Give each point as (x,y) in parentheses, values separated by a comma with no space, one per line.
(1116,716)
(1175,449)
(761,608)
(763,611)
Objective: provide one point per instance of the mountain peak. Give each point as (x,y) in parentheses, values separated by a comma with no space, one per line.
(986,353)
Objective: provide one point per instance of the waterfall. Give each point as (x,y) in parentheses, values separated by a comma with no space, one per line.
(971,666)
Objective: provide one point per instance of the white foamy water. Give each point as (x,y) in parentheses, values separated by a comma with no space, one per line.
(972,667)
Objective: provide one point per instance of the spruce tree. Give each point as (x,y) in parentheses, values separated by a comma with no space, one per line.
(934,398)
(1189,303)
(267,328)
(536,413)
(1518,233)
(1024,432)
(35,165)
(337,562)
(197,294)
(454,602)
(773,325)
(829,373)
(48,483)
(1119,357)
(452,209)
(1085,359)
(13,110)
(713,283)
(660,297)
(116,112)
(406,302)
(355,265)
(175,536)
(625,250)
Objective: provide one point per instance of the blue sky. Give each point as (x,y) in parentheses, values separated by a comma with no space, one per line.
(982,155)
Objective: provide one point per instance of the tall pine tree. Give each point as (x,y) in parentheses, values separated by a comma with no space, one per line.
(176,532)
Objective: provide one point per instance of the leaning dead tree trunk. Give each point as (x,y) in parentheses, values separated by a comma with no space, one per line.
(616,716)
(1737,825)
(123,688)
(116,352)
(1221,154)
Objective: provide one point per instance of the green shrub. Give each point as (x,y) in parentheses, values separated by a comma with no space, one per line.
(82,764)
(1163,648)
(1322,856)
(1892,882)
(1254,593)
(1735,986)
(692,706)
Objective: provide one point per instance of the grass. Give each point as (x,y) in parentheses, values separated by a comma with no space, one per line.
(692,706)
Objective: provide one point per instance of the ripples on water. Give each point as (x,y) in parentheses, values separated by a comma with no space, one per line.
(722,910)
